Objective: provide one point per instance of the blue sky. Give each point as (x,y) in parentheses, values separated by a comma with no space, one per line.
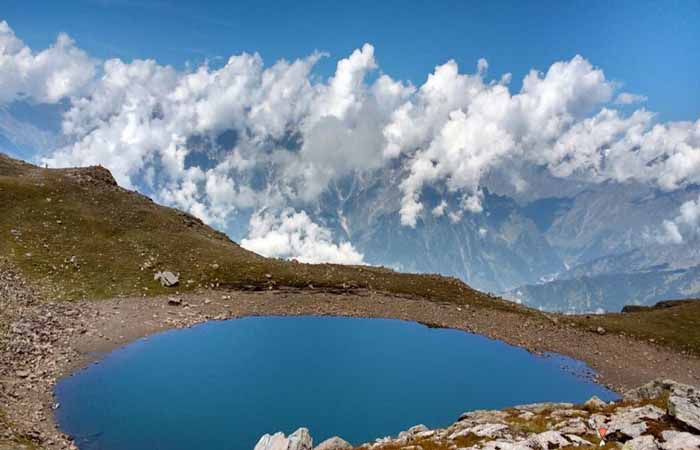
(653,48)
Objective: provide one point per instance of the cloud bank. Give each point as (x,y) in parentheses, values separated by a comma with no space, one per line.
(684,226)
(294,235)
(60,71)
(250,136)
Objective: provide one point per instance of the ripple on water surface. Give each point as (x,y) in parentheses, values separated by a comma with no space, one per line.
(220,385)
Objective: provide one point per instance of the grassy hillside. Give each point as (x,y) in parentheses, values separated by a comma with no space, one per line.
(675,324)
(76,234)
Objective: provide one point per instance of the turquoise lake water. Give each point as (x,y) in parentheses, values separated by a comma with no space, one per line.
(221,385)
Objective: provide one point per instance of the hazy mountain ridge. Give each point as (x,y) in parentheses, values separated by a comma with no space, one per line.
(531,232)
(610,292)
(604,233)
(497,249)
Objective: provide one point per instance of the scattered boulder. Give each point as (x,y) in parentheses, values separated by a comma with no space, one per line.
(578,441)
(675,440)
(488,430)
(683,400)
(630,423)
(167,278)
(538,408)
(684,405)
(506,445)
(547,440)
(276,441)
(299,440)
(595,403)
(646,442)
(174,301)
(417,429)
(425,434)
(651,390)
(334,443)
(572,426)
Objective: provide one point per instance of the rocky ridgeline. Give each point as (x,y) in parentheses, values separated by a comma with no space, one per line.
(662,415)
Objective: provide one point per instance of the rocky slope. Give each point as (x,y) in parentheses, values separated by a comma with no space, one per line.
(662,415)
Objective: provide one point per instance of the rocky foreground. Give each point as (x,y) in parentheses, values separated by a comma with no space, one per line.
(661,415)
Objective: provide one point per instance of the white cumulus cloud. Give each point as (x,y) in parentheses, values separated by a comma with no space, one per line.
(251,135)
(685,225)
(294,235)
(59,71)
(627,98)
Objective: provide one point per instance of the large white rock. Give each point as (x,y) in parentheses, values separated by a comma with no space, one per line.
(649,391)
(684,405)
(547,440)
(299,440)
(676,440)
(167,279)
(645,442)
(506,445)
(490,430)
(334,443)
(276,441)
(630,422)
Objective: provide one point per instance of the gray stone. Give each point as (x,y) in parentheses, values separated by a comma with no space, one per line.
(572,426)
(578,440)
(539,408)
(595,403)
(489,429)
(276,441)
(334,443)
(300,440)
(167,279)
(684,405)
(675,440)
(567,413)
(425,434)
(547,440)
(641,443)
(652,390)
(506,445)
(417,429)
(630,421)
(482,416)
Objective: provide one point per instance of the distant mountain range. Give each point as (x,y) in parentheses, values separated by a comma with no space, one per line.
(610,292)
(554,245)
(589,250)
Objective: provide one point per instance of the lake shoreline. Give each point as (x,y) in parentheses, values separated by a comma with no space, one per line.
(81,332)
